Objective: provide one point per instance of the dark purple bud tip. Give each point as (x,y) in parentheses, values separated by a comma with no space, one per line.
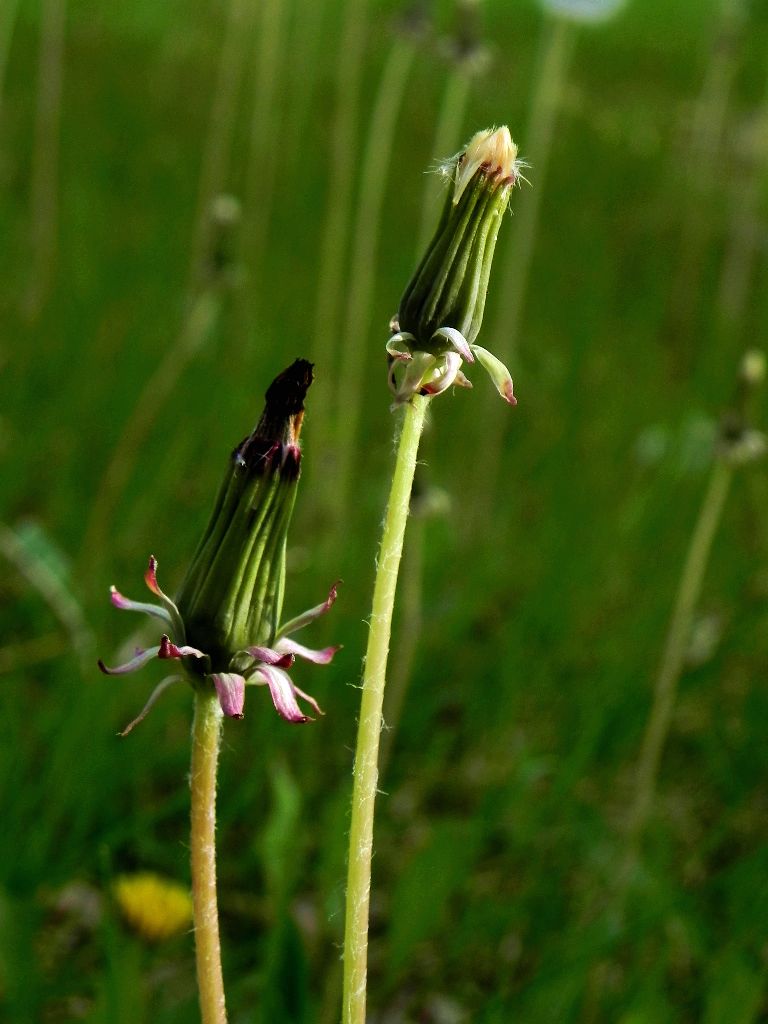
(284,409)
(274,444)
(285,395)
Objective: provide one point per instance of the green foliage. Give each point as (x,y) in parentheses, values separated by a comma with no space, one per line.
(500,823)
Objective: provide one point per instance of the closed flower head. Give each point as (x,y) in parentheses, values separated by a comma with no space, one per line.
(441,310)
(224,625)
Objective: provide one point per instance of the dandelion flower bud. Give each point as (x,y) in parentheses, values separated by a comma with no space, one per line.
(441,310)
(223,627)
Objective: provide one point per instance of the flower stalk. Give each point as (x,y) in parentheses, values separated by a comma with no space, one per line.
(369,728)
(206,739)
(224,633)
(738,444)
(435,330)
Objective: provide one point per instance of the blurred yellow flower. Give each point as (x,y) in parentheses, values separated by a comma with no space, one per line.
(154,906)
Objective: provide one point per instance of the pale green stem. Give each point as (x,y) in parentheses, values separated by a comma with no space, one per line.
(156,392)
(206,739)
(333,245)
(44,185)
(376,162)
(370,721)
(675,647)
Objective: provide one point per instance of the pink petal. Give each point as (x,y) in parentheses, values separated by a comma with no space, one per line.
(283,694)
(150,577)
(442,375)
(398,346)
(168,649)
(125,604)
(313,613)
(142,657)
(319,657)
(310,700)
(270,657)
(230,688)
(157,692)
(457,341)
(498,373)
(422,366)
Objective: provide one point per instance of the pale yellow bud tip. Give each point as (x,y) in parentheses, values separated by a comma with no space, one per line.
(491,151)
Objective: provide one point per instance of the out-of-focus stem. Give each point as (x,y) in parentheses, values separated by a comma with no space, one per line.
(558,45)
(199,323)
(31,652)
(745,241)
(44,189)
(559,38)
(707,134)
(53,591)
(206,738)
(218,140)
(366,771)
(675,647)
(8,13)
(376,162)
(262,151)
(333,244)
(304,42)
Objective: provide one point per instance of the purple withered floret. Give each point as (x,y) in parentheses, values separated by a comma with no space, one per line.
(267,667)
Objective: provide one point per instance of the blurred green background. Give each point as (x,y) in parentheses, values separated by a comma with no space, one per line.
(142,320)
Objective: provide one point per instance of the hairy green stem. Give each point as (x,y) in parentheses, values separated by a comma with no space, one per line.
(206,738)
(369,726)
(675,647)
